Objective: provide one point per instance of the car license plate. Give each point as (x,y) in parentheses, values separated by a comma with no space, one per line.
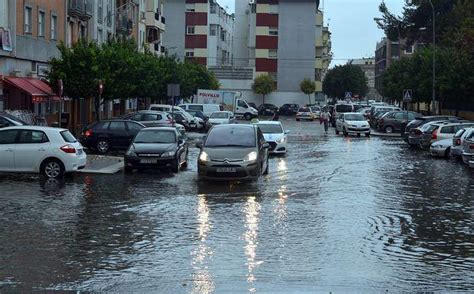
(226,170)
(148,161)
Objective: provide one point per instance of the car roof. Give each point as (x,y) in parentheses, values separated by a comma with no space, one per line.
(35,128)
(450,123)
(346,113)
(268,122)
(159,128)
(151,111)
(234,126)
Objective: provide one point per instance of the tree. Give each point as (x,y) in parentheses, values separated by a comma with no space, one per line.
(308,87)
(263,85)
(345,78)
(194,76)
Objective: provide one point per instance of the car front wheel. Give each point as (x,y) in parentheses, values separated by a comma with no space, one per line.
(175,166)
(102,146)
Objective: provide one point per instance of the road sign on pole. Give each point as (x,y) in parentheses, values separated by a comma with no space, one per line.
(348,95)
(407,96)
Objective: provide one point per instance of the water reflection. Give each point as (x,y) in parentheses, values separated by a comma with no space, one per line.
(252,211)
(202,279)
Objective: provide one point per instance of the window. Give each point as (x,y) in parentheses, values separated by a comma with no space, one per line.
(223,34)
(242,104)
(253,8)
(100,11)
(28,13)
(117,127)
(189,53)
(133,128)
(151,117)
(32,137)
(68,137)
(100,36)
(272,53)
(213,30)
(213,9)
(41,24)
(447,130)
(409,50)
(400,115)
(190,30)
(54,27)
(8,137)
(196,107)
(190,7)
(273,32)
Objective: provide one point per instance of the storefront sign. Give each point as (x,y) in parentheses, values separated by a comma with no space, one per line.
(39,99)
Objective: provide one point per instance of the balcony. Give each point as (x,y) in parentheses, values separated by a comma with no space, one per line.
(80,8)
(124,24)
(153,19)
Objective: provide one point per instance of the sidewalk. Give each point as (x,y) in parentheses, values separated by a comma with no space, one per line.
(100,164)
(379,134)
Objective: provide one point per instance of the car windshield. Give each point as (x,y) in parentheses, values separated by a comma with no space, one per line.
(304,110)
(343,108)
(231,137)
(315,108)
(354,117)
(155,137)
(270,128)
(220,115)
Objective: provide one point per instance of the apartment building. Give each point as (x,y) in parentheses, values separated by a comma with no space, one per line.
(200,30)
(155,26)
(274,37)
(102,26)
(368,67)
(385,53)
(31,31)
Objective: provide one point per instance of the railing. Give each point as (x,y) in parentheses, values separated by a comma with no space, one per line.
(80,8)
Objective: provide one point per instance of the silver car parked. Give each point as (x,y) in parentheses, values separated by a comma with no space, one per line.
(233,152)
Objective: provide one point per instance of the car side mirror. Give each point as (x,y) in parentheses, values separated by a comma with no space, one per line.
(180,142)
(266,145)
(287,132)
(199,145)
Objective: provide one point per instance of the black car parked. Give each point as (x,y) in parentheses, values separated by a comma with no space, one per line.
(110,134)
(267,109)
(157,148)
(289,109)
(7,120)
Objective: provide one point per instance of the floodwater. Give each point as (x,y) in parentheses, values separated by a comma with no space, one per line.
(336,214)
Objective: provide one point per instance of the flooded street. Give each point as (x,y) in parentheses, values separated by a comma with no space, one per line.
(336,214)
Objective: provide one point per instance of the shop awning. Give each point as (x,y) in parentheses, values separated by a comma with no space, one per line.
(36,88)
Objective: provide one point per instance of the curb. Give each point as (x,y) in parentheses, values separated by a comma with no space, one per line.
(110,170)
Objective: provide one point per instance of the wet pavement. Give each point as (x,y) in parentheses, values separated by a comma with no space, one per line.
(336,214)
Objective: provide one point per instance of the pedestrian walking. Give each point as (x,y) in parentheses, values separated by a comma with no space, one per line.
(325,120)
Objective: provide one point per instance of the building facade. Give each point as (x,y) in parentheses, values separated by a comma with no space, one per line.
(200,30)
(385,53)
(368,67)
(102,26)
(271,36)
(155,26)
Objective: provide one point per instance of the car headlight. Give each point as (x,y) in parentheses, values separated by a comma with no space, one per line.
(281,140)
(252,156)
(131,152)
(204,157)
(168,154)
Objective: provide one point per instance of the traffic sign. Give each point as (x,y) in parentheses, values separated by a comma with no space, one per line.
(348,95)
(407,95)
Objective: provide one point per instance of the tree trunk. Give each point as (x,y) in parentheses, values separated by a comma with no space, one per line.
(309,98)
(263,99)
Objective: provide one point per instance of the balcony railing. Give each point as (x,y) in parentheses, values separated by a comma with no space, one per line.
(124,24)
(80,8)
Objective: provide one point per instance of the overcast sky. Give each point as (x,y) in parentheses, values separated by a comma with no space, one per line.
(354,32)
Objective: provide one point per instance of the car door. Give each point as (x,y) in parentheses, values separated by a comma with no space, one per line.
(118,135)
(241,107)
(150,120)
(7,150)
(340,122)
(182,148)
(32,147)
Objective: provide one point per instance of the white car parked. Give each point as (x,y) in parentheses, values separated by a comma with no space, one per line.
(33,149)
(352,123)
(441,148)
(194,122)
(274,135)
(221,118)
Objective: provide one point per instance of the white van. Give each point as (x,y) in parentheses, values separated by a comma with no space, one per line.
(194,122)
(207,109)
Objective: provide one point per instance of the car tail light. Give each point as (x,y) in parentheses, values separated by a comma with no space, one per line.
(68,149)
(471,146)
(417,132)
(88,133)
(458,142)
(434,136)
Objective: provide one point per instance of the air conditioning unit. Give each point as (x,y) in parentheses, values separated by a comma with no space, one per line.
(142,15)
